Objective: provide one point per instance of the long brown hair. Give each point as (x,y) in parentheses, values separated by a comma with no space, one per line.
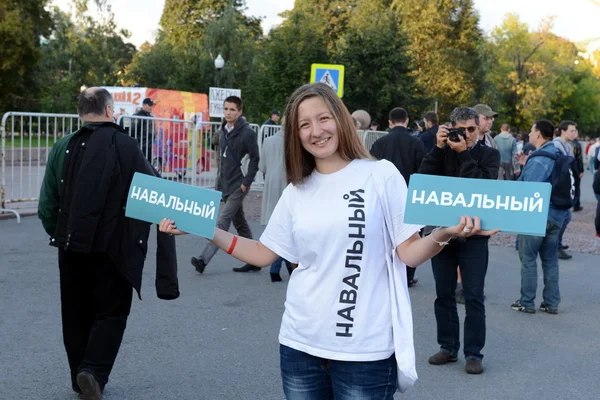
(299,163)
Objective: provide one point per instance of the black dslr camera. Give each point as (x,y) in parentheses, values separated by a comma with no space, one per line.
(453,134)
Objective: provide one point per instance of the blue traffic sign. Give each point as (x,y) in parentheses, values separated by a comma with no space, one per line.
(329,74)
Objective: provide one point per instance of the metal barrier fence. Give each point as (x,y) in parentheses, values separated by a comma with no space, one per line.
(179,149)
(370,137)
(26,142)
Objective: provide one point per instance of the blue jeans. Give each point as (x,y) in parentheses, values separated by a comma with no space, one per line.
(307,377)
(563,228)
(472,257)
(547,247)
(276,266)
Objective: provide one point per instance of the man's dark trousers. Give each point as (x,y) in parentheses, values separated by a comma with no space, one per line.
(95,304)
(472,257)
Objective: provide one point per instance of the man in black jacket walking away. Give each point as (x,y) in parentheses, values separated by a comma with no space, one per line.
(236,140)
(101,252)
(461,155)
(404,151)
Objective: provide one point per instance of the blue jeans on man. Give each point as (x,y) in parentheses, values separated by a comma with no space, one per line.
(546,247)
(276,266)
(563,228)
(472,257)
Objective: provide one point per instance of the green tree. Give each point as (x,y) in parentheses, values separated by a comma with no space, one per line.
(328,18)
(81,51)
(445,45)
(533,72)
(583,103)
(283,64)
(189,64)
(377,65)
(22,24)
(187,20)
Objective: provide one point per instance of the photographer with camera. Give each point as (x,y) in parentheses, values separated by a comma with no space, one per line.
(459,154)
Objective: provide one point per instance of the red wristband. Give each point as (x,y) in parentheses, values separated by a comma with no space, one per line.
(233,243)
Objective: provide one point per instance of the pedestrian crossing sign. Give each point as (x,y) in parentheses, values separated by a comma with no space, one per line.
(329,74)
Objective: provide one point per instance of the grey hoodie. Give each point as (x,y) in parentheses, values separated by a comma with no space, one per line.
(233,146)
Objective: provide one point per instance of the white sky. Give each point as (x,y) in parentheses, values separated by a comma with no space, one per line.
(576,19)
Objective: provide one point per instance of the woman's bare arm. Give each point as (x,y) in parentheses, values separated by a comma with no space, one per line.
(249,251)
(415,250)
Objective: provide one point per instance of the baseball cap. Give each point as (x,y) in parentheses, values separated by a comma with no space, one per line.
(148,101)
(486,110)
(276,112)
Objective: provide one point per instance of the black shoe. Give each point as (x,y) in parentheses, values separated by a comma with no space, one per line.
(563,255)
(90,388)
(275,277)
(199,264)
(442,357)
(412,282)
(577,209)
(247,268)
(563,247)
(474,366)
(517,306)
(549,310)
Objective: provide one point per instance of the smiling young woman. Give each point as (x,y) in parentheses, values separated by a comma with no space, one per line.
(316,113)
(347,327)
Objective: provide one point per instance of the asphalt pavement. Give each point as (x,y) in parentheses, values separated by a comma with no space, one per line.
(219,339)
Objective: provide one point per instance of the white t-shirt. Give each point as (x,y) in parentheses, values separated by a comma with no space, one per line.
(338,303)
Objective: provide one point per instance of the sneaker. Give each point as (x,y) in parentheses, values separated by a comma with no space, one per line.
(199,264)
(90,388)
(247,268)
(563,255)
(517,306)
(549,310)
(474,366)
(442,357)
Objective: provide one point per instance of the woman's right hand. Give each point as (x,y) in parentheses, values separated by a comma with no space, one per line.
(168,226)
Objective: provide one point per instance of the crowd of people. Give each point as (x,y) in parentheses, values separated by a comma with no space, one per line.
(347,324)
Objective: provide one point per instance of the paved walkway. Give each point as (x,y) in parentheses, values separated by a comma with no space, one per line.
(219,340)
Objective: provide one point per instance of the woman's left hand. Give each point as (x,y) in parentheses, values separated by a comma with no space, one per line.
(168,226)
(469,227)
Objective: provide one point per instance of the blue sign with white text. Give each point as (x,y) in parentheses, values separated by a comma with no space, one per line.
(194,209)
(330,74)
(511,206)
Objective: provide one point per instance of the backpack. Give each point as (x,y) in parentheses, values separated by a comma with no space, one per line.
(562,178)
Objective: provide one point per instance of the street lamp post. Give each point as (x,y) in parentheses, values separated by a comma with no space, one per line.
(219,64)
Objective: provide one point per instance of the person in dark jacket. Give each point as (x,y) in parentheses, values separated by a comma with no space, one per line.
(578,154)
(143,129)
(275,117)
(432,122)
(404,151)
(464,159)
(596,188)
(237,139)
(101,252)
